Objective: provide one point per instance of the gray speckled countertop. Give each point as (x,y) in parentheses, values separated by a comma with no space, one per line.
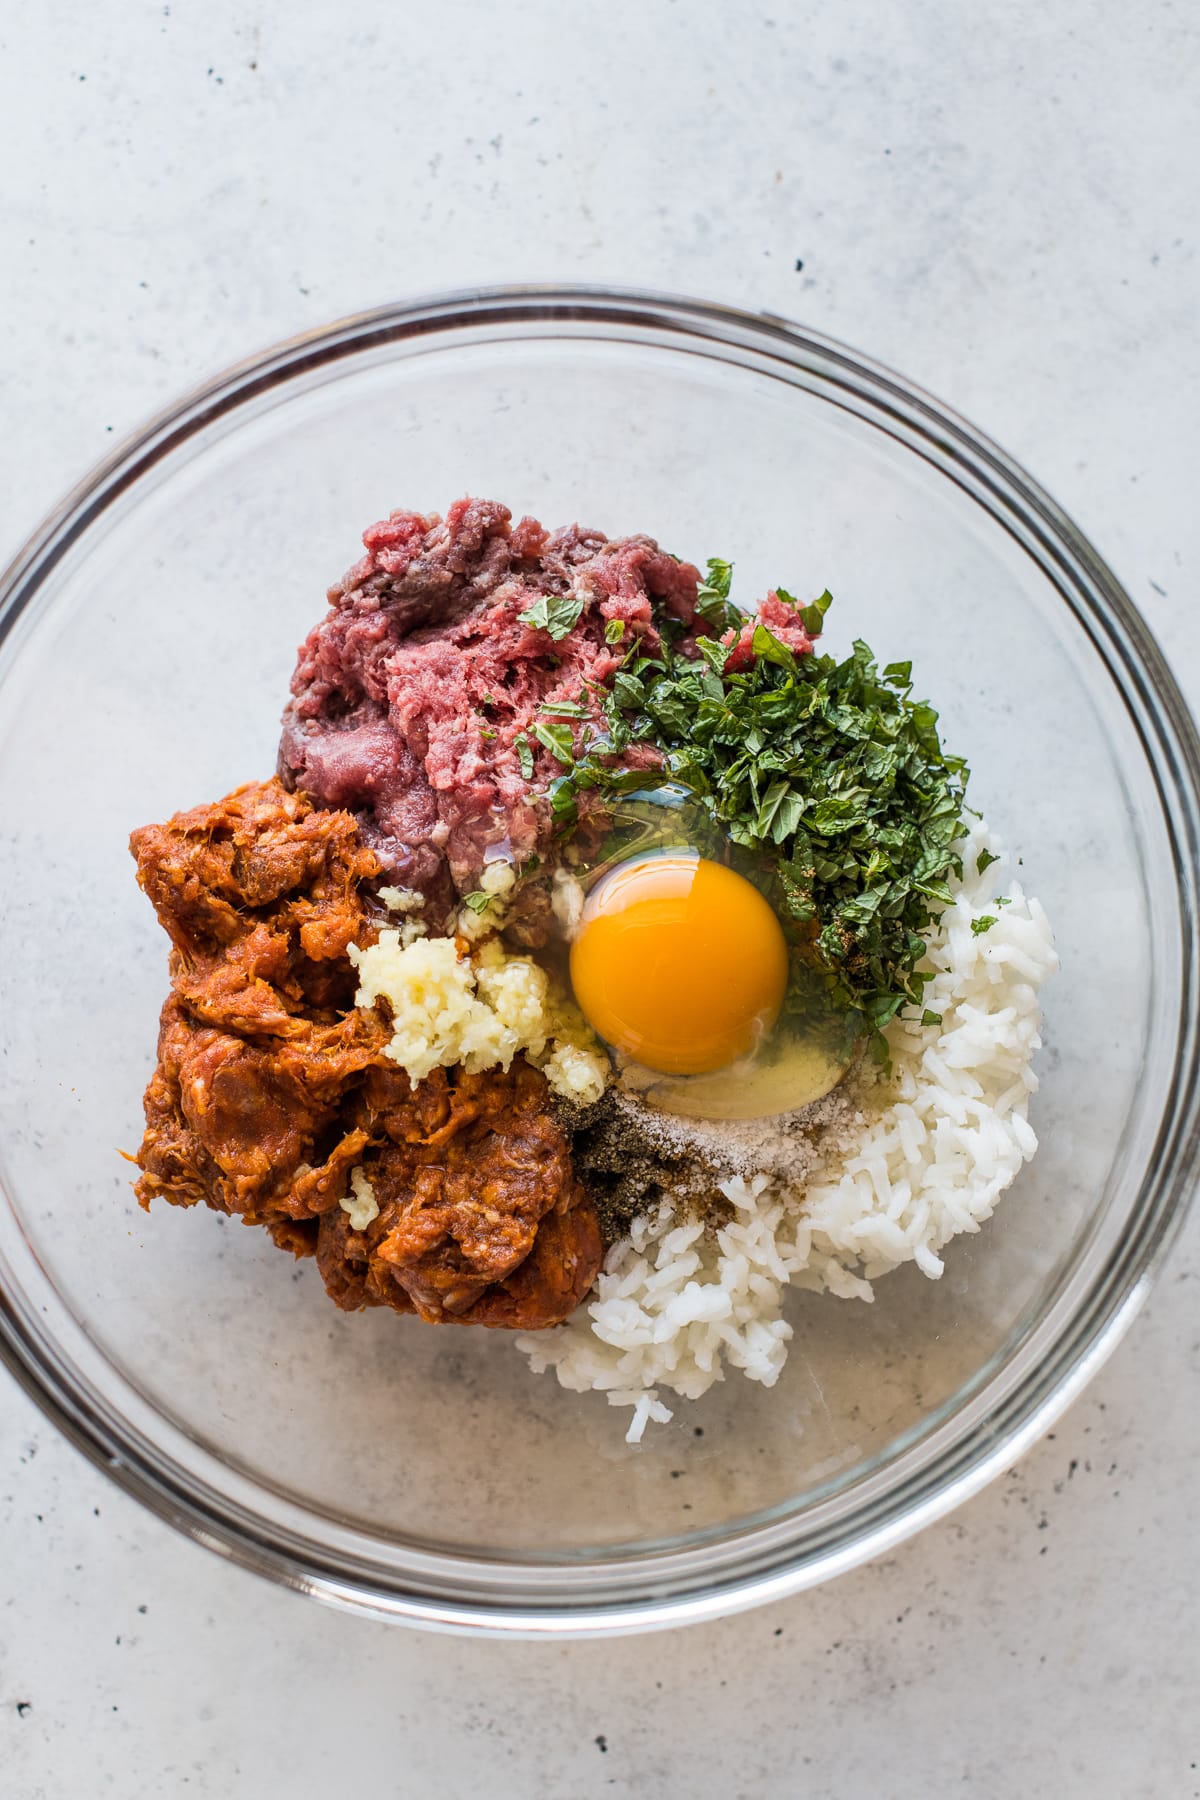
(999,201)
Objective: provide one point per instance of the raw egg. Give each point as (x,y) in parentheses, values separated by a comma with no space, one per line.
(679,963)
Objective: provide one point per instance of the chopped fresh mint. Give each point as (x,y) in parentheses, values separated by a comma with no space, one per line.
(557,739)
(478,901)
(712,597)
(556,613)
(563,804)
(524,752)
(812,617)
(982,924)
(766,645)
(563,709)
(824,780)
(614,631)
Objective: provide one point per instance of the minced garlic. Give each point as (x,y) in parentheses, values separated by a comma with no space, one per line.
(488,907)
(360,1203)
(566,902)
(498,878)
(402,900)
(409,904)
(479,1011)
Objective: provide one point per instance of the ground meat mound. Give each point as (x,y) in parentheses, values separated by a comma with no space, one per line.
(414,700)
(481,1218)
(270,1086)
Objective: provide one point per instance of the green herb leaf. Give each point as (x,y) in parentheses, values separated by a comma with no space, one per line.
(980,925)
(563,804)
(557,739)
(984,860)
(563,709)
(719,577)
(779,812)
(767,646)
(930,1018)
(524,752)
(478,901)
(614,631)
(841,812)
(628,691)
(556,613)
(715,655)
(712,595)
(813,617)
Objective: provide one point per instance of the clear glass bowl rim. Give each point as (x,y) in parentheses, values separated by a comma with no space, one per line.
(460,1594)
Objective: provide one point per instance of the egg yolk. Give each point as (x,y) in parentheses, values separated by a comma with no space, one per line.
(679,962)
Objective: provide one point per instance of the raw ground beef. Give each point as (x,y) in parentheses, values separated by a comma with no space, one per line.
(410,696)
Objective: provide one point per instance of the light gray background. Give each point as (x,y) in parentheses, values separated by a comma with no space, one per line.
(1001,201)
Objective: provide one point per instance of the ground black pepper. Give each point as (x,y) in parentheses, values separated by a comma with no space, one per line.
(631,1156)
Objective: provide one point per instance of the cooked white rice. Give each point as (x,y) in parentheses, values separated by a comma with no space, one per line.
(927,1157)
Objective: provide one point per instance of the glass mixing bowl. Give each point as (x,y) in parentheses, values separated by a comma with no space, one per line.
(149,630)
